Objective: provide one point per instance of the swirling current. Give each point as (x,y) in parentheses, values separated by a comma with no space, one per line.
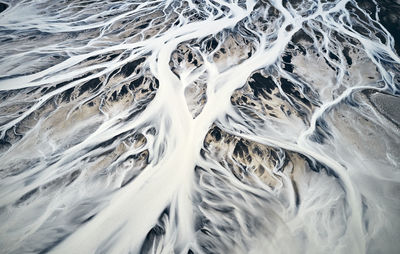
(199,126)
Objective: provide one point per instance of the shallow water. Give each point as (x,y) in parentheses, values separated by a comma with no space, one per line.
(200,126)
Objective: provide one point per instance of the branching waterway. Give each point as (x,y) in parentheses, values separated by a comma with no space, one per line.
(199,126)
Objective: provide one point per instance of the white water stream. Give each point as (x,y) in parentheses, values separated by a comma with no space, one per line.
(127,127)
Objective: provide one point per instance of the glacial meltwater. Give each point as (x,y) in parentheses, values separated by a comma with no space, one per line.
(200,126)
